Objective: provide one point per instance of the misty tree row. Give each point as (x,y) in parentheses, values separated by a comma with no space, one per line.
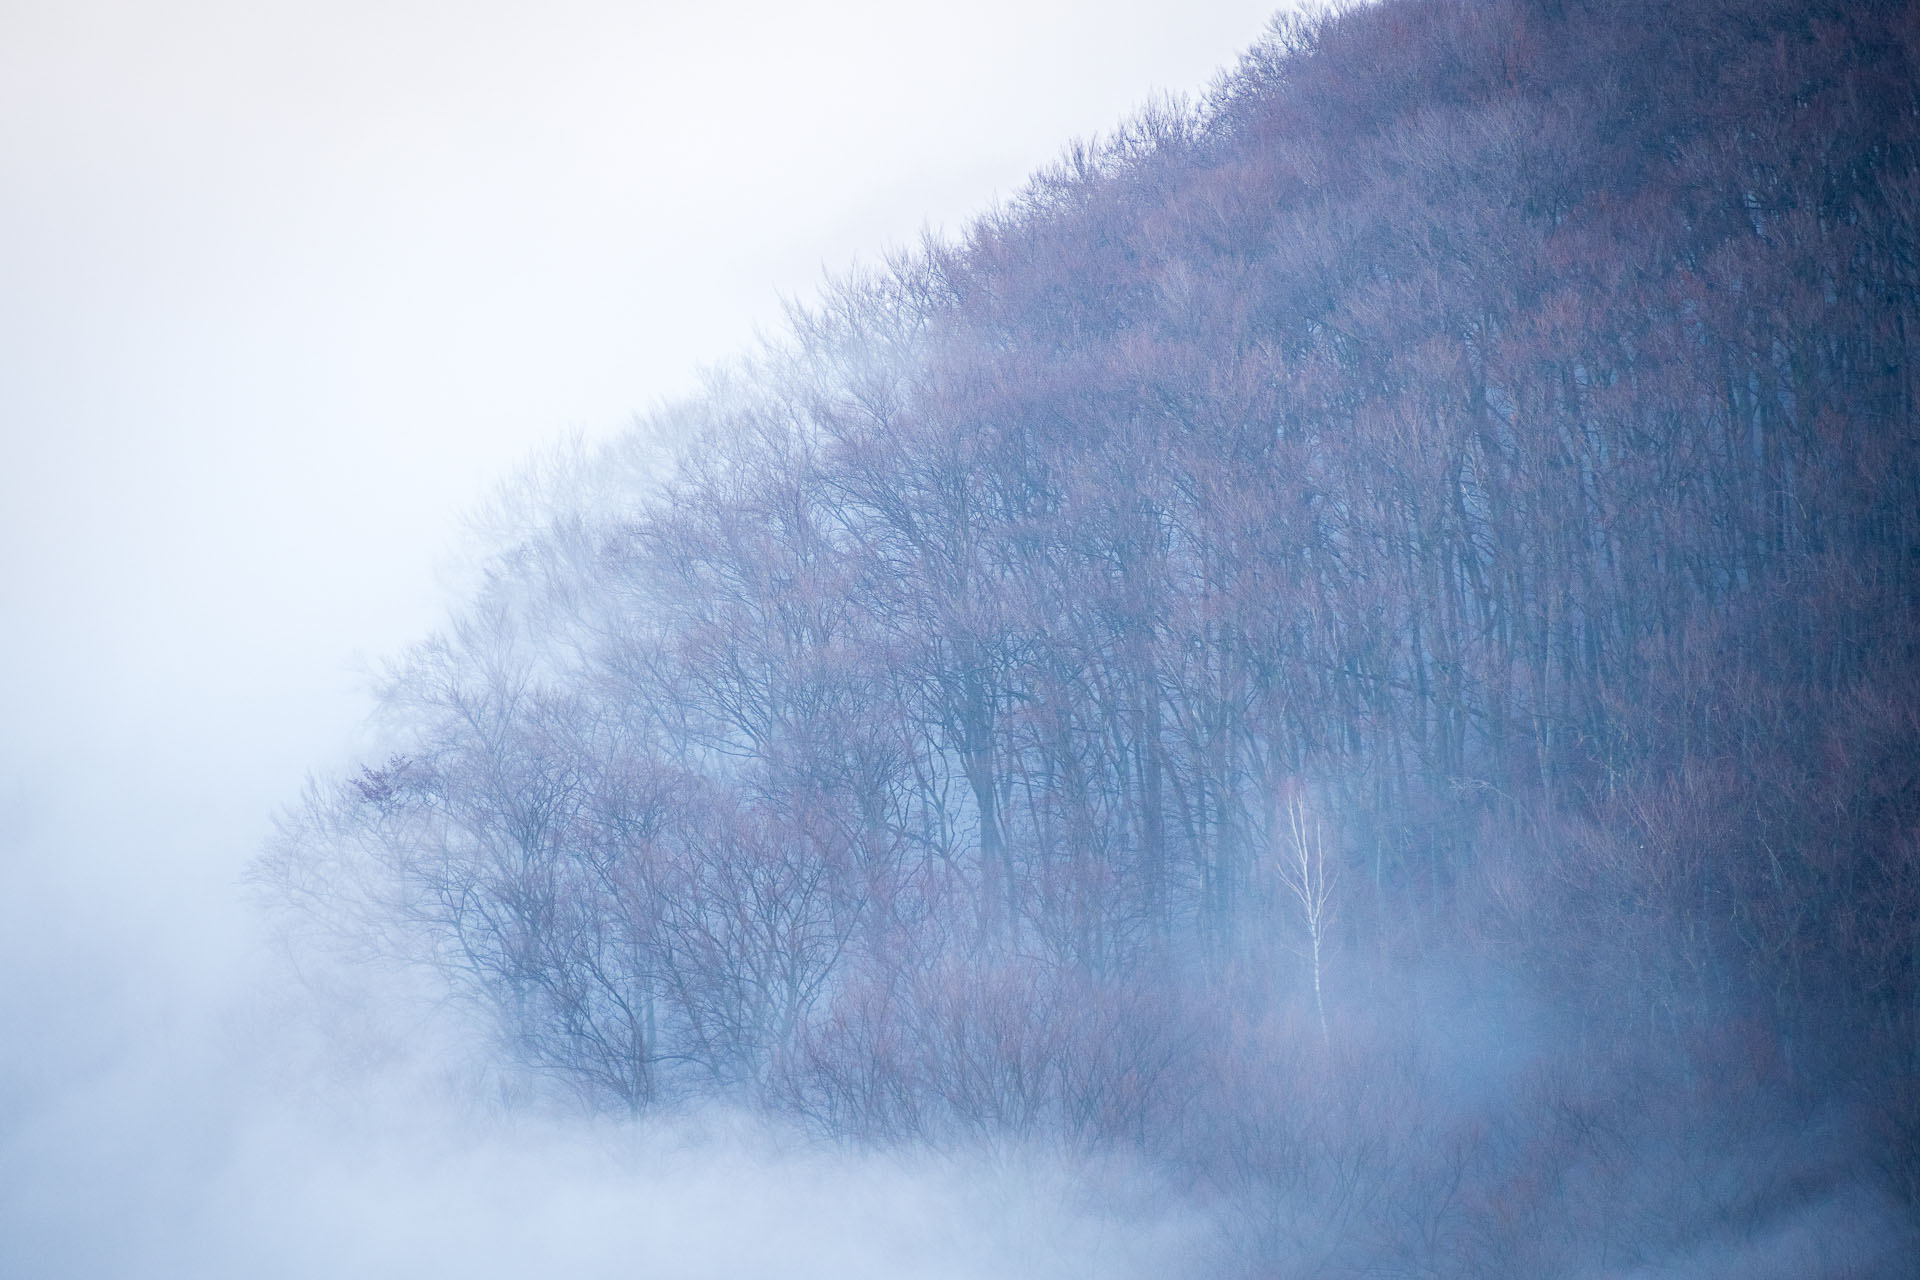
(1485,431)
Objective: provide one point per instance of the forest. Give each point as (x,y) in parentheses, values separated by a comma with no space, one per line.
(1354,643)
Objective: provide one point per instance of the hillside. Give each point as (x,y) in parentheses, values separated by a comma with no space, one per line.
(1356,640)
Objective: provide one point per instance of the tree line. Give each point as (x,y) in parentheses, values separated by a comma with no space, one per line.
(1450,497)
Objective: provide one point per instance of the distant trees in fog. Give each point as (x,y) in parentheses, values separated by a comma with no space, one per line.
(1495,421)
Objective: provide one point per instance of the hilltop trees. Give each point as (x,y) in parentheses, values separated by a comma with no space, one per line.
(1497,418)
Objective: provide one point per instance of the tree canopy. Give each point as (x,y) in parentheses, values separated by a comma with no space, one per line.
(1474,446)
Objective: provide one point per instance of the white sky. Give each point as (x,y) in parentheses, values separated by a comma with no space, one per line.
(287,287)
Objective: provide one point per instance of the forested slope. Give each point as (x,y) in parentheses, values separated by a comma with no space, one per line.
(1357,638)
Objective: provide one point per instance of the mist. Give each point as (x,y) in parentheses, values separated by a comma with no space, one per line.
(1042,642)
(285,291)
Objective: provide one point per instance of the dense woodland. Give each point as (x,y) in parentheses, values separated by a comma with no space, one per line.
(1356,641)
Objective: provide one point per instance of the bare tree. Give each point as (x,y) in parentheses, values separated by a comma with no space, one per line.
(1310,879)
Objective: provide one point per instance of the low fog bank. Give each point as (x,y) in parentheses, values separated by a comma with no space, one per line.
(277,1189)
(184,1099)
(258,1126)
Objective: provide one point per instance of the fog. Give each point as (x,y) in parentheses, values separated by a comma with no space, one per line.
(1134,746)
(284,290)
(194,1151)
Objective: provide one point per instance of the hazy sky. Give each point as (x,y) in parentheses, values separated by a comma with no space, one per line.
(285,288)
